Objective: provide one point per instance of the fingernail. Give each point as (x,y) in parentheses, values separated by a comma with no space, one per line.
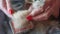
(29,17)
(11,11)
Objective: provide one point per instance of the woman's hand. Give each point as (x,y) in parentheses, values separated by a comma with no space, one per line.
(3,4)
(4,8)
(51,7)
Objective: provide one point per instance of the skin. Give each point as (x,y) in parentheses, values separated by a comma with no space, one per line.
(4,4)
(51,7)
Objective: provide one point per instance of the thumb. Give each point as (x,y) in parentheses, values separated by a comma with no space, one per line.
(36,12)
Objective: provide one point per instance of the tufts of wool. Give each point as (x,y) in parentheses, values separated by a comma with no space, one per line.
(20,23)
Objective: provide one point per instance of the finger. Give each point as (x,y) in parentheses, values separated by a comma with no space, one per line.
(48,3)
(4,4)
(29,17)
(30,9)
(55,9)
(43,16)
(40,17)
(36,12)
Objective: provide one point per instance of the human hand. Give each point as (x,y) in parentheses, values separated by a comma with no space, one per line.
(43,13)
(2,4)
(4,8)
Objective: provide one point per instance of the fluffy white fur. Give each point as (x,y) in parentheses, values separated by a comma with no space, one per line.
(20,21)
